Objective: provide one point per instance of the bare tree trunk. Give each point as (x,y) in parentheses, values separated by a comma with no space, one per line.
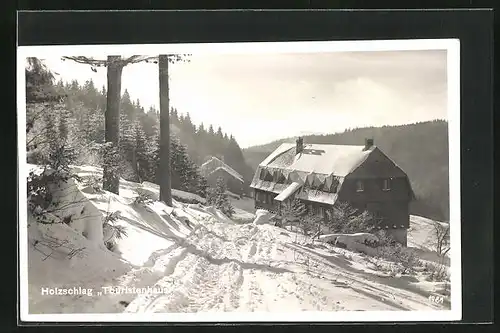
(111,177)
(165,179)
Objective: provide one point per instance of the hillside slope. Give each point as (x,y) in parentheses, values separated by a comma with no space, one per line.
(192,258)
(420,149)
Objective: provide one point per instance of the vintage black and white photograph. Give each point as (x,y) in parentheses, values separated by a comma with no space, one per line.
(210,183)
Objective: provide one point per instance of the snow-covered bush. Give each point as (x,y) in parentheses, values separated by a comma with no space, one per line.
(345,219)
(295,213)
(436,272)
(143,197)
(93,183)
(291,212)
(111,230)
(42,184)
(401,259)
(349,240)
(218,197)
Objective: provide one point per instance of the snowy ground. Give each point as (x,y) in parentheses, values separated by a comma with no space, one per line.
(192,258)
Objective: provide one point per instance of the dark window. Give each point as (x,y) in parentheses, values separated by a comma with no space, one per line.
(360,186)
(281,178)
(275,176)
(386,186)
(377,216)
(268,176)
(321,211)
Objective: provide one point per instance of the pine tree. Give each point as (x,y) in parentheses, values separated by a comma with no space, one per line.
(96,126)
(174,117)
(63,125)
(154,155)
(177,163)
(192,176)
(219,198)
(219,133)
(39,82)
(202,186)
(127,149)
(142,154)
(127,107)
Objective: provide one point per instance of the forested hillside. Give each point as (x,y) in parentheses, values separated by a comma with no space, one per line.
(420,149)
(79,119)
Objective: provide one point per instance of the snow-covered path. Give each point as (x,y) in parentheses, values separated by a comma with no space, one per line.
(230,267)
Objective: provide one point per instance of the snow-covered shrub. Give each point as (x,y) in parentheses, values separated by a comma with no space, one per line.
(112,231)
(295,213)
(143,197)
(90,154)
(404,259)
(392,257)
(362,238)
(345,219)
(94,183)
(292,212)
(407,259)
(436,272)
(41,185)
(218,197)
(113,167)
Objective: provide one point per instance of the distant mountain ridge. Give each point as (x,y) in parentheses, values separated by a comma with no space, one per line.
(420,149)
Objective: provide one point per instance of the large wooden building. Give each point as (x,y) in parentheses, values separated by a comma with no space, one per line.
(322,175)
(215,168)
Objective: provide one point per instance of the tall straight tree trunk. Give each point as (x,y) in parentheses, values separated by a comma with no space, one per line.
(111,177)
(165,179)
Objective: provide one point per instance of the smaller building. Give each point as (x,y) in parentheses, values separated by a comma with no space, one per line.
(215,168)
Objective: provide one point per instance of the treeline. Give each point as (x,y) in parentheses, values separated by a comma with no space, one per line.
(420,149)
(81,115)
(198,142)
(78,119)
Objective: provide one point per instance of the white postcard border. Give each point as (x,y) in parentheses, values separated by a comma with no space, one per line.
(452,46)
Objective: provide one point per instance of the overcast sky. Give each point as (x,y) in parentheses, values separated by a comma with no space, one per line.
(263,97)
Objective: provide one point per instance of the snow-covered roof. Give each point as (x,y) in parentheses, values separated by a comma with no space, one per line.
(317,168)
(214,164)
(337,160)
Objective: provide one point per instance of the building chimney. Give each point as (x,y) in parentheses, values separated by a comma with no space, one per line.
(299,147)
(368,143)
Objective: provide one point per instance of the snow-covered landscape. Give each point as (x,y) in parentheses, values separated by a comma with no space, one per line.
(193,258)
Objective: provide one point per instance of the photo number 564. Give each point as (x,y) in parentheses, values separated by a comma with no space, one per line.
(436,299)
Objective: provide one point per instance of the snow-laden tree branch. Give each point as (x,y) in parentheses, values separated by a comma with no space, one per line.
(122,62)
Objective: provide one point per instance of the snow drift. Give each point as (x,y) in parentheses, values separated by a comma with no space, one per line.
(262,217)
